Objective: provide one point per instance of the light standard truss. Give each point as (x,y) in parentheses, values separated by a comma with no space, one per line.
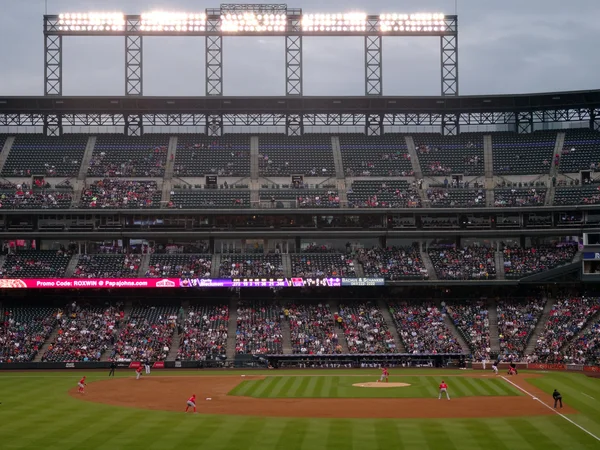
(251,20)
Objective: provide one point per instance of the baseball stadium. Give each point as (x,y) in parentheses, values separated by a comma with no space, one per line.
(294,271)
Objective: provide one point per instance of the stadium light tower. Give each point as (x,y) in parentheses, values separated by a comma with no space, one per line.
(251,20)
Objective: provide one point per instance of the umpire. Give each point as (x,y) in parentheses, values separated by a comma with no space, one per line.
(557,398)
(113,366)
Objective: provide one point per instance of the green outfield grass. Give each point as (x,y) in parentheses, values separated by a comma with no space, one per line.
(37,413)
(342,387)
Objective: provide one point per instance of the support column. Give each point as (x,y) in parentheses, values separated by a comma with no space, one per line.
(373,65)
(294,125)
(450,124)
(595,119)
(214,65)
(374,124)
(449,57)
(524,122)
(214,125)
(134,85)
(52,65)
(293,65)
(53,125)
(134,125)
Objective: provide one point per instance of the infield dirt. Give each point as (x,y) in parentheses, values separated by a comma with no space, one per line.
(169,393)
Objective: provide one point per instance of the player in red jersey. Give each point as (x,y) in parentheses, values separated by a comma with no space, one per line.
(81,386)
(443,390)
(138,372)
(384,375)
(191,403)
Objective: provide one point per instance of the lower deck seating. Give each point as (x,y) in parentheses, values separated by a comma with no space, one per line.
(258,328)
(179,265)
(365,328)
(147,334)
(204,333)
(393,263)
(107,266)
(23,332)
(383,194)
(519,197)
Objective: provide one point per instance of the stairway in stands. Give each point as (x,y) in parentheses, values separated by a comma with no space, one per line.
(71,266)
(286,262)
(287,337)
(8,143)
(215,265)
(499,260)
(254,146)
(494,335)
(334,306)
(488,164)
(456,333)
(553,172)
(171,154)
(337,157)
(87,157)
(387,316)
(144,265)
(428,265)
(49,341)
(358,268)
(232,327)
(175,342)
(414,158)
(539,327)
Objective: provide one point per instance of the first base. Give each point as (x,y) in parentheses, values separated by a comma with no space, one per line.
(208,398)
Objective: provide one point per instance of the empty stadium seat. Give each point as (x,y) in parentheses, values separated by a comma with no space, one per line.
(36,264)
(523,154)
(210,198)
(385,155)
(308,155)
(581,151)
(199,155)
(383,194)
(446,155)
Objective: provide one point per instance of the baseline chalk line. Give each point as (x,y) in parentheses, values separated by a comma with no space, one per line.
(588,396)
(552,409)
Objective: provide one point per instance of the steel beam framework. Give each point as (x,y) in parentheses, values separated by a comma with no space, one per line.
(374,124)
(293,35)
(53,65)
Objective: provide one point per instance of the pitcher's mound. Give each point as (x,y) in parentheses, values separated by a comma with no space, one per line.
(381,385)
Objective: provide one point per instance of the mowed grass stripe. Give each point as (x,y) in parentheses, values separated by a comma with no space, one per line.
(244,388)
(387,435)
(265,387)
(311,388)
(240,437)
(435,433)
(299,387)
(325,387)
(480,432)
(293,435)
(531,434)
(339,434)
(475,387)
(282,389)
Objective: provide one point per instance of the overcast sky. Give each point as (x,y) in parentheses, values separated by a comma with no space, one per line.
(509,46)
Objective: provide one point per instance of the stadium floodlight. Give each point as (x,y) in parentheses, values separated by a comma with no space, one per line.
(159,21)
(83,22)
(417,23)
(349,22)
(251,22)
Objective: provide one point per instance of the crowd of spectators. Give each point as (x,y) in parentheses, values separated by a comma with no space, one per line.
(365,328)
(109,193)
(516,321)
(23,333)
(519,262)
(23,196)
(323,266)
(250,268)
(153,164)
(467,263)
(568,317)
(36,264)
(312,329)
(108,266)
(258,328)
(204,333)
(585,349)
(192,266)
(523,197)
(472,320)
(147,335)
(422,329)
(84,333)
(331,200)
(392,263)
(443,198)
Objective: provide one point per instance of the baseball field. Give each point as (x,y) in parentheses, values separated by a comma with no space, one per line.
(341,409)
